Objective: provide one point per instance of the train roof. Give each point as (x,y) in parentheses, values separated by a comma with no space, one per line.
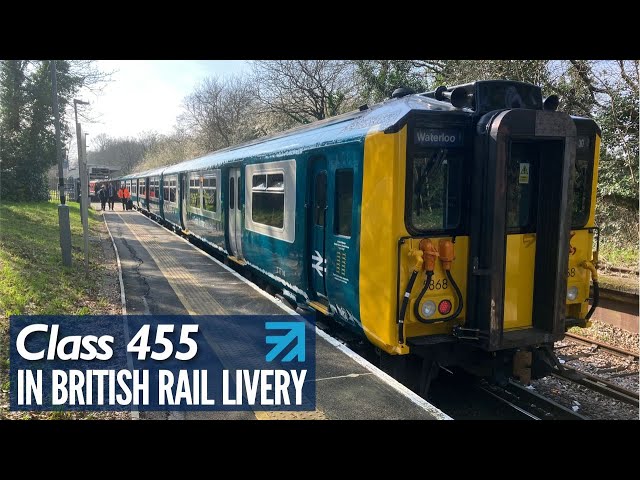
(339,129)
(146,173)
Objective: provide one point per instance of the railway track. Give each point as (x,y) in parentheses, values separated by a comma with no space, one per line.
(464,397)
(530,403)
(604,346)
(599,385)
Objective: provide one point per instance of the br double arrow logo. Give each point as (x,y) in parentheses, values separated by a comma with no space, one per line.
(318,266)
(294,336)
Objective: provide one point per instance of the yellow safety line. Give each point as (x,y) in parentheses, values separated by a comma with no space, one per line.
(177,276)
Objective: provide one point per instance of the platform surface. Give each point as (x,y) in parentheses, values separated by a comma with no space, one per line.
(164,274)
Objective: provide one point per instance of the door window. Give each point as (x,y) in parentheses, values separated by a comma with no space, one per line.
(320,198)
(343,209)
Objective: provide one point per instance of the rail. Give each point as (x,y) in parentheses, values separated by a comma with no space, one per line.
(605,346)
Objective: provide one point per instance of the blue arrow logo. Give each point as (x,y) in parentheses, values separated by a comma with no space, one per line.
(295,334)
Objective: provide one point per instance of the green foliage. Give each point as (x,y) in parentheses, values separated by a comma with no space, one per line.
(379,78)
(27,130)
(456,72)
(619,256)
(171,149)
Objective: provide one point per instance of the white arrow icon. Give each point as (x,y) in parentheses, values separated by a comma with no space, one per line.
(318,265)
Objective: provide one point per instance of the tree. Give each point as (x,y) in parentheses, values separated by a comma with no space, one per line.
(123,152)
(172,149)
(13,106)
(102,141)
(379,78)
(221,112)
(302,91)
(609,91)
(27,138)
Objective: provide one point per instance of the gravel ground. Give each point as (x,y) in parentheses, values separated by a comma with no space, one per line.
(591,404)
(618,369)
(109,291)
(607,333)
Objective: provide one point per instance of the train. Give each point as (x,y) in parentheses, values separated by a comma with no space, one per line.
(93,194)
(454,227)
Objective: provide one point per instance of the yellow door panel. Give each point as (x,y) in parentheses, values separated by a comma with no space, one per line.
(519,277)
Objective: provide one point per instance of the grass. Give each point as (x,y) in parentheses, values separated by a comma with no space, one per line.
(32,278)
(619,256)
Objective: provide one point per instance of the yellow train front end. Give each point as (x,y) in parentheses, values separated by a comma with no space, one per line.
(477,229)
(386,253)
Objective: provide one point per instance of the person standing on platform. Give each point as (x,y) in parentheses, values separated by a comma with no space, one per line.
(102,195)
(121,196)
(111,194)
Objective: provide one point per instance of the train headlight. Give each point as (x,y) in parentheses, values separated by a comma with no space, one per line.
(572,293)
(428,308)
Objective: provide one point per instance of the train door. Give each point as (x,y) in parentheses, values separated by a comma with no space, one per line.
(146,183)
(522,169)
(520,237)
(235,213)
(184,193)
(318,220)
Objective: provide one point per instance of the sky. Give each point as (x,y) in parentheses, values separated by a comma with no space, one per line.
(146,95)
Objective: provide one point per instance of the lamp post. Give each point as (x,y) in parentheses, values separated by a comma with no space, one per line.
(84,184)
(84,206)
(79,142)
(78,130)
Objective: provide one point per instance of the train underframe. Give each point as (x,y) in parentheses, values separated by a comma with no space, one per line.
(418,369)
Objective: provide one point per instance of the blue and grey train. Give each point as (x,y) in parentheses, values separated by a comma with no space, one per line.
(456,225)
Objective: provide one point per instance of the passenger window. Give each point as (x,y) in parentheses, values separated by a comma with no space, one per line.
(232,193)
(173,189)
(268,187)
(209,194)
(194,192)
(259,182)
(344,202)
(267,199)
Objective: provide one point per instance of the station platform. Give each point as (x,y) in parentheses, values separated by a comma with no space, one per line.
(164,274)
